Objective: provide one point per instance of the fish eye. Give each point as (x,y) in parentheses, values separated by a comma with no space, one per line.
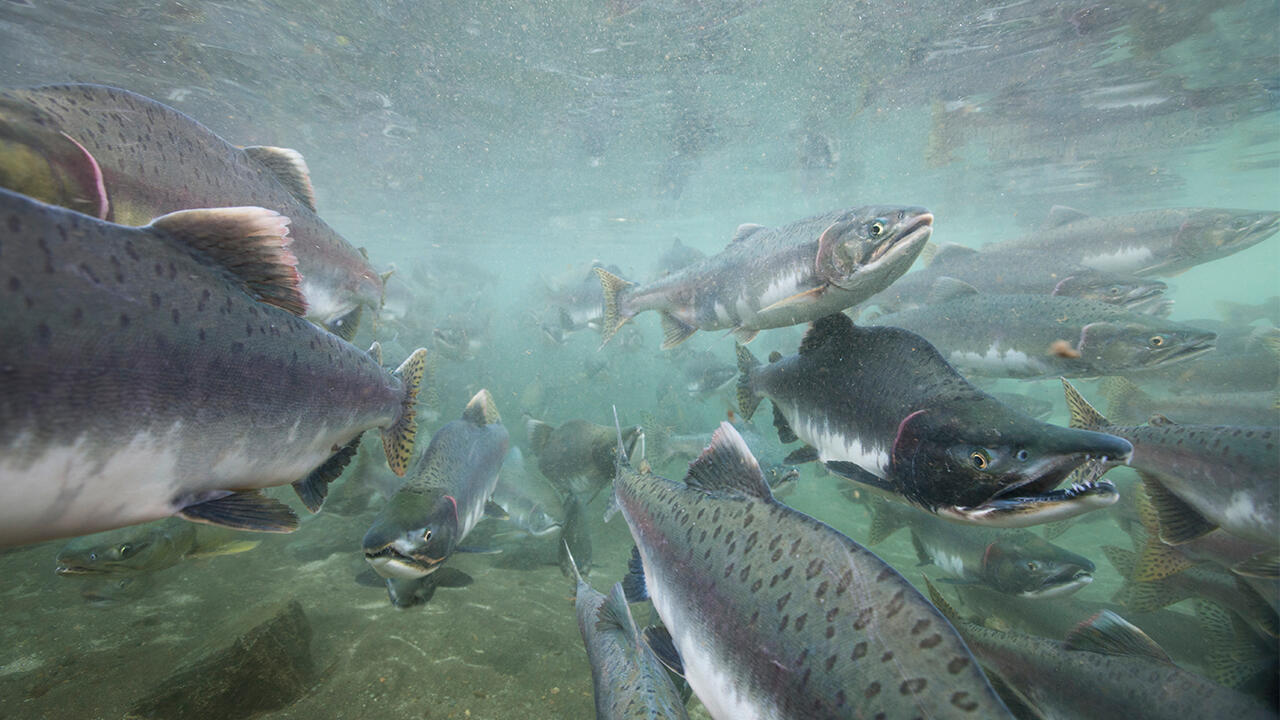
(1032,565)
(877,228)
(1114,290)
(126,550)
(979,459)
(1022,455)
(1239,223)
(426,536)
(1157,340)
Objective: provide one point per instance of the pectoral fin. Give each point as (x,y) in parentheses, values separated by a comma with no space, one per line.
(250,510)
(800,298)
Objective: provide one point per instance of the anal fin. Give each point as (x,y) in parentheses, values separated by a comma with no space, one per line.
(249,510)
(675,331)
(785,433)
(1179,522)
(801,455)
(1109,634)
(315,486)
(346,326)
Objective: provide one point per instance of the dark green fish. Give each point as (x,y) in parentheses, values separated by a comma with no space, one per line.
(776,615)
(1152,242)
(629,681)
(141,549)
(1106,668)
(776,277)
(575,538)
(880,406)
(447,493)
(1044,336)
(127,158)
(166,370)
(577,456)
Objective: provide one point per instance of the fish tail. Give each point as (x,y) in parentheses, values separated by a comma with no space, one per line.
(614,318)
(748,400)
(399,437)
(537,432)
(1083,415)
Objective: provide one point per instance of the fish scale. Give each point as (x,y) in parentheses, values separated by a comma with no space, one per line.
(778,615)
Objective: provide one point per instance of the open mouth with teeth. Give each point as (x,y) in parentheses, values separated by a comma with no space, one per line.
(391,563)
(1038,500)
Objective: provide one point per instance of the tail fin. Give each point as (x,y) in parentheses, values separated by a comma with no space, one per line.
(614,319)
(1083,415)
(538,434)
(1125,401)
(885,521)
(748,400)
(399,437)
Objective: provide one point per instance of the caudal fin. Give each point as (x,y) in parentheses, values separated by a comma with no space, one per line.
(614,318)
(399,437)
(748,400)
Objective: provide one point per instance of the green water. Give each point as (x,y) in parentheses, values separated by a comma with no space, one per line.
(488,149)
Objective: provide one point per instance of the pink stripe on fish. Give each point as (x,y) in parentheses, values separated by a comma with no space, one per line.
(455,507)
(104,206)
(903,425)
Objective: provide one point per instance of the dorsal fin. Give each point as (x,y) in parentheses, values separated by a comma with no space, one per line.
(375,352)
(744,231)
(250,243)
(947,288)
(1083,415)
(290,169)
(1060,215)
(481,410)
(1110,634)
(614,614)
(836,326)
(727,464)
(949,252)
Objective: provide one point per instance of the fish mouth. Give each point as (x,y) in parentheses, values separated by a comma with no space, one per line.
(1036,499)
(914,233)
(391,563)
(1067,582)
(79,570)
(1143,295)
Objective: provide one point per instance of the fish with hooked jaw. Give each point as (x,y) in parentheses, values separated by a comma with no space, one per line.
(447,493)
(776,277)
(880,406)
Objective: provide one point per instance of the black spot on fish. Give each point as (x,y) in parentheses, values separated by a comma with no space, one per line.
(732,546)
(799,623)
(124,320)
(77,315)
(840,697)
(703,536)
(859,651)
(845,581)
(248,330)
(756,585)
(783,625)
(787,573)
(782,601)
(872,690)
(912,686)
(728,570)
(885,574)
(920,626)
(177,318)
(754,617)
(128,249)
(957,664)
(774,542)
(159,270)
(201,335)
(896,604)
(777,554)
(744,574)
(155,300)
(795,546)
(864,618)
(802,657)
(960,700)
(815,567)
(831,631)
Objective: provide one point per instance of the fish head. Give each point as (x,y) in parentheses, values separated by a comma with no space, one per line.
(977,461)
(782,479)
(1213,233)
(539,522)
(38,160)
(870,247)
(1113,288)
(1141,342)
(1031,567)
(129,550)
(405,542)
